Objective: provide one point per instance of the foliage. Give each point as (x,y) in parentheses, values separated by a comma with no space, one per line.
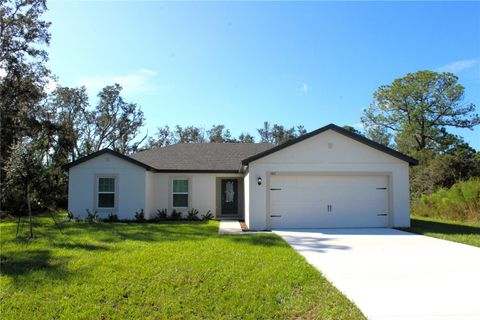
(175,215)
(418,108)
(112,217)
(278,134)
(24,172)
(218,133)
(161,215)
(143,269)
(70,216)
(461,202)
(462,232)
(351,129)
(192,214)
(140,215)
(23,38)
(92,216)
(208,216)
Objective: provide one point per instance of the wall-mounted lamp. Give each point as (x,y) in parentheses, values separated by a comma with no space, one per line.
(259,181)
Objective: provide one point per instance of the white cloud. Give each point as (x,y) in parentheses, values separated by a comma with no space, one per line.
(304,89)
(458,66)
(134,83)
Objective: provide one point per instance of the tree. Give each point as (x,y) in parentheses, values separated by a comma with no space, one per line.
(71,119)
(116,123)
(278,134)
(245,138)
(379,134)
(351,129)
(418,108)
(164,137)
(266,133)
(23,173)
(23,74)
(189,134)
(218,133)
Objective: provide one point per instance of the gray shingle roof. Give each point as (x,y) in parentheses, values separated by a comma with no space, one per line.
(220,157)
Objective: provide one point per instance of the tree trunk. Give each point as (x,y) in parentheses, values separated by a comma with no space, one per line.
(29,210)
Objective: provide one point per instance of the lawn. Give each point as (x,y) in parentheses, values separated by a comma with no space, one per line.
(171,270)
(448,230)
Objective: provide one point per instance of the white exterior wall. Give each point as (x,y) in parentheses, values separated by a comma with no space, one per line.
(130,186)
(246,186)
(202,192)
(313,156)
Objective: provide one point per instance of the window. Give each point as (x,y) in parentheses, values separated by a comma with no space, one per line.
(106,192)
(180,194)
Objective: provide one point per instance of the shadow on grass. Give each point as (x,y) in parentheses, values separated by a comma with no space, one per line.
(266,240)
(82,246)
(16,264)
(164,231)
(421,226)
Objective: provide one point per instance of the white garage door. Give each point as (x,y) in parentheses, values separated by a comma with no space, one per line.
(328,201)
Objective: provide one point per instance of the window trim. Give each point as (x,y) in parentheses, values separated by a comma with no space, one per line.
(98,192)
(172,193)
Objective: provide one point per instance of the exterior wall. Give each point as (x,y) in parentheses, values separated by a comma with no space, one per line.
(326,153)
(130,186)
(246,189)
(202,192)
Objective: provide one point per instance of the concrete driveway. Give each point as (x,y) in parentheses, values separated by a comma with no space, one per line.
(390,274)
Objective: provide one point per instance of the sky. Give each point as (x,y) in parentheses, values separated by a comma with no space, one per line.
(240,64)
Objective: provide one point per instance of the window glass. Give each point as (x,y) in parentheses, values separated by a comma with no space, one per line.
(180,200)
(106,200)
(180,185)
(106,192)
(106,184)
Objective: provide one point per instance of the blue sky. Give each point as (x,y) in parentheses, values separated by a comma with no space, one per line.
(239,64)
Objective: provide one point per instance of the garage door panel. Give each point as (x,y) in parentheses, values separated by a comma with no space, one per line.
(303,201)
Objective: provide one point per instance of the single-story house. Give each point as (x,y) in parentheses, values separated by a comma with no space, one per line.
(328,178)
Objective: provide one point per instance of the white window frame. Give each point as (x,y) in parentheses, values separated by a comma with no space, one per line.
(98,192)
(187,193)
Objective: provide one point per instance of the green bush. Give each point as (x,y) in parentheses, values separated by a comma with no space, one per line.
(140,216)
(461,202)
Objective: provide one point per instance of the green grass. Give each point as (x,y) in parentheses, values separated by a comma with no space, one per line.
(449,230)
(172,270)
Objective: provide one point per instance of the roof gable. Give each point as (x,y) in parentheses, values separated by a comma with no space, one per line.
(341,131)
(106,151)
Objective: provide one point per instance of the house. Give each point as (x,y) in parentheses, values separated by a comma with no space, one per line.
(328,178)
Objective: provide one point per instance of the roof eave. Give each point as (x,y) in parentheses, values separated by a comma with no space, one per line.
(411,161)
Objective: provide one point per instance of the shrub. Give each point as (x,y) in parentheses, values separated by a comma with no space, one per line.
(70,216)
(192,214)
(175,215)
(140,216)
(461,202)
(208,215)
(91,216)
(161,215)
(112,217)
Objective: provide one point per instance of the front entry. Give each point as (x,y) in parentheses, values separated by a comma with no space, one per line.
(229,196)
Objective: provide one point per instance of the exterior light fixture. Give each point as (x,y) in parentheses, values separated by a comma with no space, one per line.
(259,181)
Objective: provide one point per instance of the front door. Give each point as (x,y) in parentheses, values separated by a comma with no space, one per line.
(229,196)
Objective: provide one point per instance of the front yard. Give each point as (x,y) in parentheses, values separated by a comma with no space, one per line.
(172,270)
(448,230)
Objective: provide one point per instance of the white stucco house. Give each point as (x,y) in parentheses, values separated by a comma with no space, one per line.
(328,178)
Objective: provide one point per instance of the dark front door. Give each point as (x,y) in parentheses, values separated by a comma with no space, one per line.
(229,196)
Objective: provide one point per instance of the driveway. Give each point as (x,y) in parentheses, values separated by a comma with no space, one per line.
(390,274)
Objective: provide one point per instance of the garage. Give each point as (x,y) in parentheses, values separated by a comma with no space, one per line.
(328,178)
(333,201)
